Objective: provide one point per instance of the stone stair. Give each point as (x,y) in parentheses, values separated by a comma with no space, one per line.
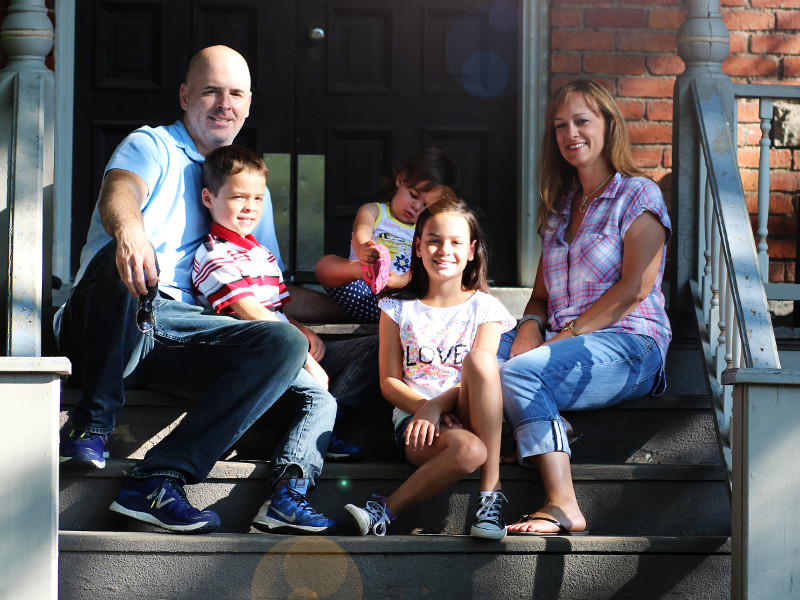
(647,475)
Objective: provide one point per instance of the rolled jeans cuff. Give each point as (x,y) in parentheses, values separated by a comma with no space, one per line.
(541,437)
(289,471)
(159,473)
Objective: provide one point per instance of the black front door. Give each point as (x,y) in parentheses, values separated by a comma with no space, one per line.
(344,89)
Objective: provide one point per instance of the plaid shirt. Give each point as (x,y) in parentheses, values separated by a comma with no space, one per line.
(577,274)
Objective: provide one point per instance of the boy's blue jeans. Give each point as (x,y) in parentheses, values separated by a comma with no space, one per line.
(587,372)
(235,369)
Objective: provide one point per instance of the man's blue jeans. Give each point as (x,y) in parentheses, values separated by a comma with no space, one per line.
(235,370)
(352,368)
(587,372)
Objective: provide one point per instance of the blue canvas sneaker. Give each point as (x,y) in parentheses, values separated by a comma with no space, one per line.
(162,501)
(83,450)
(341,451)
(287,511)
(489,520)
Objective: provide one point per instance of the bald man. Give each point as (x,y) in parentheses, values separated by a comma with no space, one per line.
(145,229)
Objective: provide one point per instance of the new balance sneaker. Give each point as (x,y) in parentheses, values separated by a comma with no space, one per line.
(287,511)
(83,450)
(373,518)
(341,451)
(162,501)
(489,520)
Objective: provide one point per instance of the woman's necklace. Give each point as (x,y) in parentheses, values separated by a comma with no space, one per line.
(585,199)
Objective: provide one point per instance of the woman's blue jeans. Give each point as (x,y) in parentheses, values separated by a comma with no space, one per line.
(235,369)
(586,372)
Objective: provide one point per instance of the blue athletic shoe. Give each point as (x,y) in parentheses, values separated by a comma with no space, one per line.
(287,511)
(341,451)
(83,450)
(162,501)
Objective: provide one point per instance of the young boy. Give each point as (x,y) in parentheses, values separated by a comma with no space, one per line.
(234,274)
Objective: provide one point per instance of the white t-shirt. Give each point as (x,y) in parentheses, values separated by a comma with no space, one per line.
(436,340)
(393,234)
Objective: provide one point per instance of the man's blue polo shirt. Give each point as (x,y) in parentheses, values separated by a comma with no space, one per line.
(175,220)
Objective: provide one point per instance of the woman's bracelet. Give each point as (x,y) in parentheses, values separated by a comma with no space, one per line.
(536,318)
(570,326)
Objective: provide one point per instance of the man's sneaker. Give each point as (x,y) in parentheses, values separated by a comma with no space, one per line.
(341,451)
(162,501)
(489,520)
(373,518)
(287,511)
(83,450)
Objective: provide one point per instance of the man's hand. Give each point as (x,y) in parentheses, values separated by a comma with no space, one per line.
(122,196)
(136,262)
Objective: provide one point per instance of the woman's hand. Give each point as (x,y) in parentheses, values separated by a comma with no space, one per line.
(528,337)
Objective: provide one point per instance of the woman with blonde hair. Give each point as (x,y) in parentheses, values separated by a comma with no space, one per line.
(595,332)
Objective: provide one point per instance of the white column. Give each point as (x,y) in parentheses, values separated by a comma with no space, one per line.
(29,384)
(27,99)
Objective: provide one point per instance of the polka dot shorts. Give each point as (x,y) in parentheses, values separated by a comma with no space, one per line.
(356,301)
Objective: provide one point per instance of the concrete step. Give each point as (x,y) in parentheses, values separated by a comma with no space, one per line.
(241,566)
(668,430)
(616,499)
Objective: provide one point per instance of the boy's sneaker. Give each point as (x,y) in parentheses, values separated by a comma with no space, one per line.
(162,501)
(489,520)
(373,518)
(287,511)
(341,451)
(83,450)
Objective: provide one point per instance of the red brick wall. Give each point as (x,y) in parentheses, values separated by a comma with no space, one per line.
(630,46)
(765,48)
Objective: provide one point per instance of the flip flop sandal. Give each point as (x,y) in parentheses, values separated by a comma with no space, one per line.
(561,529)
(377,274)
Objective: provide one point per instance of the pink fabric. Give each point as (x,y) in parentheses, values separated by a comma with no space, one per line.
(377,274)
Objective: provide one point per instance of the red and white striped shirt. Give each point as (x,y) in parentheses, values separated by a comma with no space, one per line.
(228,267)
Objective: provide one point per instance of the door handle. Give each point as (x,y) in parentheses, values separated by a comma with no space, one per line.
(316,34)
